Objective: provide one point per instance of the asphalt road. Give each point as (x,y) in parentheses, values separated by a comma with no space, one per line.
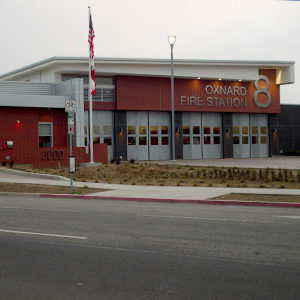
(86,249)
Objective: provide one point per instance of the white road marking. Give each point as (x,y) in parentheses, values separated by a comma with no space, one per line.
(8,207)
(289,217)
(209,219)
(44,234)
(37,209)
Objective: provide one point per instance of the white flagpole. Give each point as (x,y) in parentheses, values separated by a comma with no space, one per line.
(91,108)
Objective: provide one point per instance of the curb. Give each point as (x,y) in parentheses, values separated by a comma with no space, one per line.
(32,175)
(162,200)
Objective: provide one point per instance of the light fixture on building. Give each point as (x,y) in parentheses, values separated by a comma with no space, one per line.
(199,78)
(17,124)
(121,131)
(240,80)
(220,78)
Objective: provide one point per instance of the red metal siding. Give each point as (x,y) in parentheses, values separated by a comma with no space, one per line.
(25,138)
(153,93)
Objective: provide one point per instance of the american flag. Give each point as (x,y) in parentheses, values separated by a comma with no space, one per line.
(91,43)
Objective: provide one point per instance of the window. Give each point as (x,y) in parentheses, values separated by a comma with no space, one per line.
(45,135)
(245,130)
(217,139)
(96,139)
(236,140)
(254,139)
(107,140)
(236,130)
(142,130)
(196,130)
(245,140)
(131,140)
(164,140)
(206,140)
(154,130)
(263,130)
(154,140)
(216,130)
(196,140)
(131,129)
(142,140)
(186,140)
(254,130)
(207,130)
(186,129)
(164,130)
(96,130)
(107,130)
(263,139)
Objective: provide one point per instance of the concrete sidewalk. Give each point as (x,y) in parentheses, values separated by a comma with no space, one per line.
(138,192)
(276,162)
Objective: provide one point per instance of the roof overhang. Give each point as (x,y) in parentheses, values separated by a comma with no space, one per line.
(205,69)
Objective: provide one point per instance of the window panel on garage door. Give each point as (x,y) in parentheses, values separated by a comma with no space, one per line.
(212,137)
(102,129)
(259,136)
(137,135)
(191,135)
(241,143)
(159,124)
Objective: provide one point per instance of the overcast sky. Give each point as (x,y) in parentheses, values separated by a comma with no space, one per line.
(33,30)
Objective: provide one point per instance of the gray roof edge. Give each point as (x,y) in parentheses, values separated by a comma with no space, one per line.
(149,60)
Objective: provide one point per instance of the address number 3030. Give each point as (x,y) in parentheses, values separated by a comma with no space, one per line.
(52,154)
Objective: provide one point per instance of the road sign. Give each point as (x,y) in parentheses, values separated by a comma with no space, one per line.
(70,106)
(71,119)
(72,164)
(71,129)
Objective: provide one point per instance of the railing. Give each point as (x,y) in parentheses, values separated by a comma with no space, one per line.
(102,94)
(26,88)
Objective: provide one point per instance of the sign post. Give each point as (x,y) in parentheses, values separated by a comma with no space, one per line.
(71,110)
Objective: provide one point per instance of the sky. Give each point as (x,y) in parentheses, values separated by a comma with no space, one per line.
(34,30)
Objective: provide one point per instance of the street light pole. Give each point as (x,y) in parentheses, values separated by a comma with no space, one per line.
(172,39)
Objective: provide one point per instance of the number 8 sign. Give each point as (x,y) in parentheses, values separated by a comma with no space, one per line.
(260,90)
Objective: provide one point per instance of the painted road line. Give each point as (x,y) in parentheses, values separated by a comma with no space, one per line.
(38,209)
(206,219)
(289,217)
(44,234)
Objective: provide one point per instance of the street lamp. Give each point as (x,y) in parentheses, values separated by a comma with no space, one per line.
(172,39)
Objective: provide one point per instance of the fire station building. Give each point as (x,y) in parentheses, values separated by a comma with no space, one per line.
(223,109)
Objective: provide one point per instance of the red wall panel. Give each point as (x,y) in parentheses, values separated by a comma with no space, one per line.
(25,137)
(154,93)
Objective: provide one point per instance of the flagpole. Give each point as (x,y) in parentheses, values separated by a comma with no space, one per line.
(91,108)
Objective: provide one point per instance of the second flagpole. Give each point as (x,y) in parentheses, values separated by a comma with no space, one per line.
(91,106)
